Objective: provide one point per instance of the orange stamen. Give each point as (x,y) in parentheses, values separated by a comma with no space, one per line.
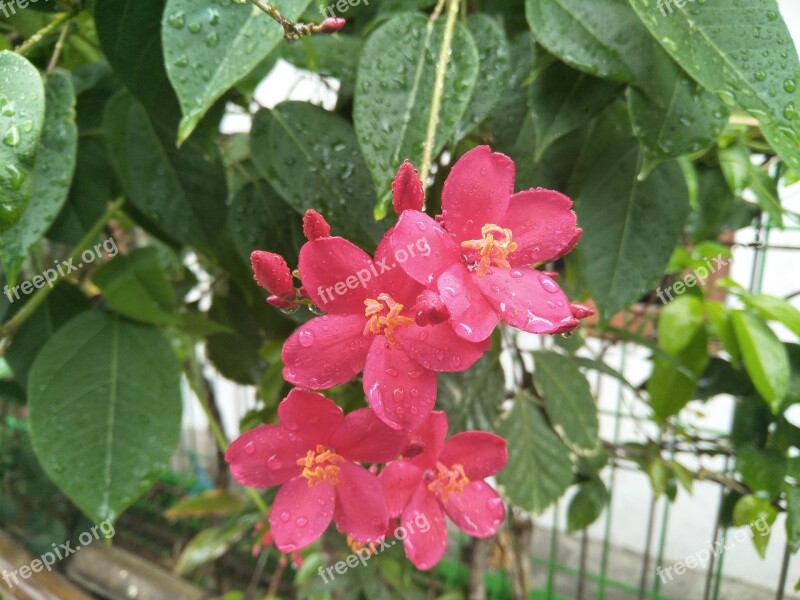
(448,480)
(495,246)
(384,324)
(320,465)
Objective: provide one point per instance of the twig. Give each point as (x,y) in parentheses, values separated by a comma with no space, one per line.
(37,37)
(294,31)
(57,50)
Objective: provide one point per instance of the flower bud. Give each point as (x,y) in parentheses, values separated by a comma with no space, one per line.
(272,273)
(580,311)
(332,24)
(430,309)
(315,226)
(407,192)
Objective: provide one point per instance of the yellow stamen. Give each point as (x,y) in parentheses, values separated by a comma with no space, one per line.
(495,246)
(448,480)
(384,324)
(320,465)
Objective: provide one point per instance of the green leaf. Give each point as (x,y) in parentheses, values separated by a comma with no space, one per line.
(682,474)
(21,121)
(52,174)
(539,468)
(493,51)
(59,307)
(679,322)
(137,286)
(394,91)
(587,505)
(563,99)
(762,470)
(213,542)
(764,357)
(758,515)
(105,411)
(568,400)
(603,37)
(672,385)
(208,49)
(741,174)
(792,493)
(771,308)
(719,317)
(717,209)
(261,220)
(179,192)
(630,226)
(320,167)
(742,51)
(678,116)
(210,503)
(659,476)
(473,398)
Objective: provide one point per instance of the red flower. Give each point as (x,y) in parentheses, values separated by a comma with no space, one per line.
(486,243)
(312,455)
(370,325)
(446,477)
(272,273)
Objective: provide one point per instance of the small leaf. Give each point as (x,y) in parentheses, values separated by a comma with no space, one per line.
(764,357)
(587,505)
(673,382)
(771,308)
(719,317)
(679,322)
(792,493)
(210,503)
(539,468)
(105,411)
(762,470)
(758,515)
(568,400)
(208,49)
(51,176)
(658,474)
(213,542)
(21,120)
(137,286)
(682,474)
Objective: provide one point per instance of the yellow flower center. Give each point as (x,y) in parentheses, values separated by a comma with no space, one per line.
(447,480)
(320,465)
(384,317)
(494,247)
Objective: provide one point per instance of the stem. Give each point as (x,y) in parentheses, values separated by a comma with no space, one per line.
(291,31)
(37,37)
(195,376)
(11,327)
(438,89)
(57,50)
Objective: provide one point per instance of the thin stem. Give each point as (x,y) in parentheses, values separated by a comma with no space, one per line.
(291,31)
(11,327)
(37,37)
(438,89)
(57,50)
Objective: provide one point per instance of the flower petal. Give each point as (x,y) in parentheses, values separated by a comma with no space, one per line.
(471,315)
(527,299)
(438,348)
(360,507)
(300,514)
(480,453)
(407,192)
(363,437)
(543,225)
(425,443)
(424,545)
(327,351)
(477,192)
(399,480)
(391,278)
(434,249)
(332,270)
(265,456)
(310,415)
(400,391)
(478,510)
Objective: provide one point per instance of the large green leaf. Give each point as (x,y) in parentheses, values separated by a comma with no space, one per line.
(601,37)
(208,48)
(764,357)
(21,121)
(562,99)
(762,470)
(678,323)
(630,226)
(492,45)
(673,381)
(394,91)
(677,116)
(758,515)
(52,174)
(311,157)
(586,505)
(771,308)
(539,468)
(105,410)
(568,400)
(742,51)
(137,286)
(178,190)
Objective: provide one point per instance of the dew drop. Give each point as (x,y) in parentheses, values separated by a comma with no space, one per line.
(285,516)
(250,448)
(300,521)
(306,338)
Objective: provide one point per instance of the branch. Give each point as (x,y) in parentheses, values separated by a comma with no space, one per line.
(295,31)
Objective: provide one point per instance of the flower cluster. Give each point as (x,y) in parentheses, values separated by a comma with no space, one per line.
(426,303)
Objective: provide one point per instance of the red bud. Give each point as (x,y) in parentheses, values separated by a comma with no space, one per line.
(332,24)
(407,192)
(272,273)
(315,226)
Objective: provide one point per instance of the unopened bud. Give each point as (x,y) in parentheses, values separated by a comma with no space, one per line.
(272,273)
(332,24)
(315,226)
(580,311)
(407,192)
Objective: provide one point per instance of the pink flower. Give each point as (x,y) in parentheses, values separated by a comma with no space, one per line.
(272,273)
(485,245)
(313,456)
(370,325)
(445,478)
